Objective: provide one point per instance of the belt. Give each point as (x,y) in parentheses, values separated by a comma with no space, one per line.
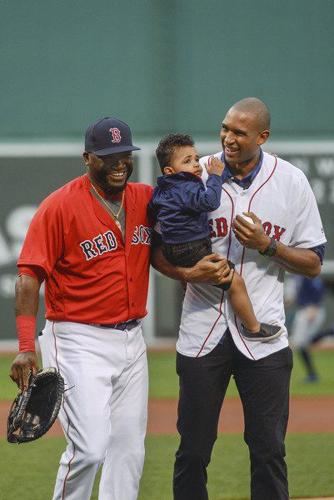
(126,325)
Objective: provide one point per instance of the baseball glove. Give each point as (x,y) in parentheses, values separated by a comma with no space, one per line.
(34,410)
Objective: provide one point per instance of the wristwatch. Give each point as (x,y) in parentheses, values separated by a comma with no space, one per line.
(271,248)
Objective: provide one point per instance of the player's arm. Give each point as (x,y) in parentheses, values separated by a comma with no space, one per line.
(43,245)
(26,307)
(210,269)
(296,260)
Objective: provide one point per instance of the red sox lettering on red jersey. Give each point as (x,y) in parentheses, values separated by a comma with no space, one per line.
(281,197)
(142,235)
(107,242)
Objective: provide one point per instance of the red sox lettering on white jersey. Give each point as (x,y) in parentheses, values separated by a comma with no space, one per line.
(220,228)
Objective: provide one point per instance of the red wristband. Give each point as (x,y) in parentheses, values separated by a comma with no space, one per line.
(26,327)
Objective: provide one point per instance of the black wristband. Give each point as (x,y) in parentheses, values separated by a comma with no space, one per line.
(271,248)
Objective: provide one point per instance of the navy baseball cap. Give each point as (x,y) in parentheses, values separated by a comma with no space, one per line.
(107,136)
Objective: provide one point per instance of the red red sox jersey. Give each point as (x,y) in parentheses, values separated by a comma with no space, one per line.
(282,198)
(92,275)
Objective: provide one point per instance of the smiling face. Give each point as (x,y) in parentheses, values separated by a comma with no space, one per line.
(109,173)
(241,136)
(184,159)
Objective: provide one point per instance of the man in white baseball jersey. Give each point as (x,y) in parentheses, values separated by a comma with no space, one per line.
(285,233)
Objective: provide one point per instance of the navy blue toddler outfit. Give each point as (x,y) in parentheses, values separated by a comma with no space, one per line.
(180,203)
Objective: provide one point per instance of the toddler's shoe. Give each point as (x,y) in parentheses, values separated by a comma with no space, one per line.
(265,334)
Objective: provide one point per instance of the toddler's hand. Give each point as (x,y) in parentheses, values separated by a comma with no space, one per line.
(214,166)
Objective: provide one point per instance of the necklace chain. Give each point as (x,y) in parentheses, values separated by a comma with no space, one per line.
(115,215)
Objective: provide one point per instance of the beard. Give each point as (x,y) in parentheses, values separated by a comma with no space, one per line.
(109,184)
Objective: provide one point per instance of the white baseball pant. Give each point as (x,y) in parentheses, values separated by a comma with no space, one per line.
(104,413)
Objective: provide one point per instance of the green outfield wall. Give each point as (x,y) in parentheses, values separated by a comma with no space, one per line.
(161,66)
(164,65)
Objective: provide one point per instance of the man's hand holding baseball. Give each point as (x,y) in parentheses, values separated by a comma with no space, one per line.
(250,235)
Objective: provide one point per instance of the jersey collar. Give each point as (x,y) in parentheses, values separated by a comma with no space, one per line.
(246,181)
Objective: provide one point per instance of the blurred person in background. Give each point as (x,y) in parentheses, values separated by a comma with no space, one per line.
(328,332)
(322,334)
(308,319)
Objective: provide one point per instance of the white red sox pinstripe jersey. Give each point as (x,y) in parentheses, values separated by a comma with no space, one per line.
(281,197)
(92,276)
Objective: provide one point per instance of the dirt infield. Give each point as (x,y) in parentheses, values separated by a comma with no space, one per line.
(307,414)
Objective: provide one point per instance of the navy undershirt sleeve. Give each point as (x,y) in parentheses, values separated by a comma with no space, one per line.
(320,251)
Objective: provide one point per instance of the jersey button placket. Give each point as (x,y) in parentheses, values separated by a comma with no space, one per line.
(236,247)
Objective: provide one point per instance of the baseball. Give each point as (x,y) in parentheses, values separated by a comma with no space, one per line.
(247,219)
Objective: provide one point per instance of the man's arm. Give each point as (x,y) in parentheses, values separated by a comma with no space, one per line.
(26,307)
(296,260)
(210,269)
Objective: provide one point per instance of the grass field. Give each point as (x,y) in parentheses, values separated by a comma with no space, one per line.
(164,383)
(28,471)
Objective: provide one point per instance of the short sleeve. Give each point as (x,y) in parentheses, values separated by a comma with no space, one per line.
(308,231)
(44,241)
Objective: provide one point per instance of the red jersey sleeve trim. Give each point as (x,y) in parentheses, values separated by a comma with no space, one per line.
(36,272)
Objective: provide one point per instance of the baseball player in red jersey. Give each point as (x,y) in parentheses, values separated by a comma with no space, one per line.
(89,241)
(285,233)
